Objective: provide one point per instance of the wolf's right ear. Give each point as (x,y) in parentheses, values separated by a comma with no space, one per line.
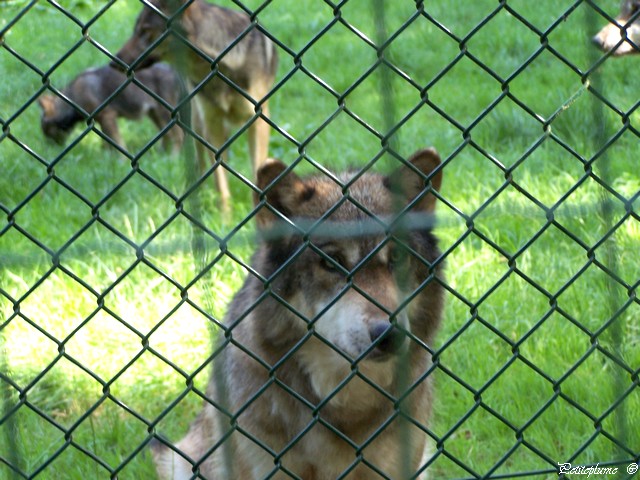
(167,5)
(282,193)
(409,179)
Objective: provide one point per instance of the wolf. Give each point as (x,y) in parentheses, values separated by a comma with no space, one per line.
(323,367)
(622,36)
(230,60)
(91,89)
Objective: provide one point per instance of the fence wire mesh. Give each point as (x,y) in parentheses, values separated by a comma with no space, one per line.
(118,259)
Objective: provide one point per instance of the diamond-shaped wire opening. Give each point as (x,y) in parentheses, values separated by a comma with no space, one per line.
(478,336)
(214,281)
(457,109)
(508,205)
(104,334)
(84,261)
(361,54)
(315,97)
(297,37)
(120,428)
(471,163)
(169,251)
(22,271)
(619,423)
(143,279)
(591,314)
(617,92)
(27,345)
(614,254)
(322,147)
(64,407)
(361,95)
(518,377)
(562,126)
(565,84)
(67,213)
(508,124)
(183,322)
(20,38)
(596,369)
(483,423)
(571,32)
(515,322)
(569,259)
(176,387)
(144,219)
(474,255)
(34,438)
(577,427)
(12,193)
(487,44)
(45,303)
(81,459)
(555,333)
(580,212)
(422,65)
(101,177)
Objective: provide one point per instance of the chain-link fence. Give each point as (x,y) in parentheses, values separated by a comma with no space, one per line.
(118,259)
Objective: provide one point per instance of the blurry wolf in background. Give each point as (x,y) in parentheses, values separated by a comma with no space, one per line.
(324,366)
(611,36)
(226,42)
(93,87)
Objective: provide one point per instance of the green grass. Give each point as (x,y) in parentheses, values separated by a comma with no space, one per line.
(521,383)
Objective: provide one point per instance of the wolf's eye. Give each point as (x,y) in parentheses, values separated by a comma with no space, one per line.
(330,262)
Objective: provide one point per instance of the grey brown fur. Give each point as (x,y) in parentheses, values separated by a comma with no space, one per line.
(283,396)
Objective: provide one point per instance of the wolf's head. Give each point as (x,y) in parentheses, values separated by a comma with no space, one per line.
(152,34)
(353,258)
(57,118)
(623,35)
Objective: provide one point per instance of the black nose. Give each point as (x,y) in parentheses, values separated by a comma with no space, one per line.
(387,337)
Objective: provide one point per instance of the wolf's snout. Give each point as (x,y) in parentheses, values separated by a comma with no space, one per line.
(389,339)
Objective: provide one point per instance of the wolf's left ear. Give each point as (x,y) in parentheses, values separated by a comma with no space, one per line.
(410,180)
(167,6)
(283,193)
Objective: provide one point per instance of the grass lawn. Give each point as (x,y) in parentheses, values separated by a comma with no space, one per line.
(107,310)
